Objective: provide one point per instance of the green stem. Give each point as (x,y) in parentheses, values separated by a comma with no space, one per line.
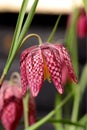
(74,51)
(32,35)
(76,104)
(58,114)
(71,42)
(2,78)
(26,109)
(78,94)
(47,117)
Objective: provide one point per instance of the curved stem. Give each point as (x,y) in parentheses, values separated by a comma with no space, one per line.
(15,78)
(15,75)
(29,36)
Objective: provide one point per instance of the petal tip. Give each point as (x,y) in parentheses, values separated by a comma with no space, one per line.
(61,90)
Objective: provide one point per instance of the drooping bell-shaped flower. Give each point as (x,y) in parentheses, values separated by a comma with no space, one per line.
(42,62)
(11,104)
(11,108)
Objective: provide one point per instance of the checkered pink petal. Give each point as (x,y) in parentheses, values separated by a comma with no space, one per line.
(34,71)
(66,58)
(53,62)
(23,68)
(8,116)
(11,114)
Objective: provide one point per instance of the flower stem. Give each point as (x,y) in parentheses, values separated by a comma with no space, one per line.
(32,35)
(47,117)
(71,38)
(76,105)
(2,78)
(58,114)
(26,110)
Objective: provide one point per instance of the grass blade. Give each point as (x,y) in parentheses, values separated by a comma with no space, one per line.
(54,29)
(18,26)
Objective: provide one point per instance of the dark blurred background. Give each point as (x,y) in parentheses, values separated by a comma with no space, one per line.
(42,24)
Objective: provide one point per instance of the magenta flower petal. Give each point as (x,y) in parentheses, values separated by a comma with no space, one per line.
(34,71)
(66,58)
(23,68)
(54,66)
(23,77)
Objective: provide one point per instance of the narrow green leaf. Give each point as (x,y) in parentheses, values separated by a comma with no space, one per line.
(25,27)
(21,36)
(83,80)
(18,26)
(83,121)
(27,22)
(77,124)
(54,29)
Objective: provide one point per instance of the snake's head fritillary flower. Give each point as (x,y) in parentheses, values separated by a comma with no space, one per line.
(11,108)
(11,104)
(42,62)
